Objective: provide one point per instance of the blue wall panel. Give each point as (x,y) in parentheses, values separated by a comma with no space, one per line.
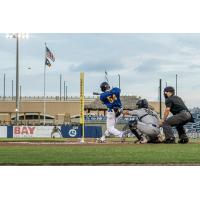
(70,131)
(9,131)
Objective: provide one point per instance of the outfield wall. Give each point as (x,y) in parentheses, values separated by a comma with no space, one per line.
(66,131)
(3,131)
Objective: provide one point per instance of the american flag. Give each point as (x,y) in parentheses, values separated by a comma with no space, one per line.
(49,54)
(47,62)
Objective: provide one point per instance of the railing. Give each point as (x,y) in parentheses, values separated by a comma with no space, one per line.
(100,118)
(48,98)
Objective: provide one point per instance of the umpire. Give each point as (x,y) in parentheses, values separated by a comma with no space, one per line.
(181,116)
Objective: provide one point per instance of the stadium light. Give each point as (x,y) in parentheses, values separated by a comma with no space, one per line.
(17,36)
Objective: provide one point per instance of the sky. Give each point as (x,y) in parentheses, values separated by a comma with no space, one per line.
(140,59)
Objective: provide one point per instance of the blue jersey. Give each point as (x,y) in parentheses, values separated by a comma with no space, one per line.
(111,98)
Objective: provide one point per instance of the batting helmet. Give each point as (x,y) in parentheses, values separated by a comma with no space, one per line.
(104,86)
(142,103)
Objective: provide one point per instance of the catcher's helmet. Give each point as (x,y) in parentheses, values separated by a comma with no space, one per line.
(142,103)
(104,86)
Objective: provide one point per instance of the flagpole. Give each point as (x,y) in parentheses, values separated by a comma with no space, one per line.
(44,121)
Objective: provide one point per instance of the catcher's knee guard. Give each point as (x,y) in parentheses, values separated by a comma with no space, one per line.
(133,124)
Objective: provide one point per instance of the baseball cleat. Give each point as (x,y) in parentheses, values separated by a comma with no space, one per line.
(123,138)
(137,142)
(170,141)
(160,138)
(100,140)
(143,140)
(183,141)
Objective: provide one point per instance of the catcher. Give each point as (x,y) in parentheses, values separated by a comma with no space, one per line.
(146,124)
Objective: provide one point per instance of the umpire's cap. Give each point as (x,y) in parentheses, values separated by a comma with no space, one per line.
(142,103)
(104,86)
(169,89)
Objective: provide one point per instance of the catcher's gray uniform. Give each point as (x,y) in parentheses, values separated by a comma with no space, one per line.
(148,121)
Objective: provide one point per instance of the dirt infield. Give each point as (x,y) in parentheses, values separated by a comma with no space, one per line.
(65,144)
(73,143)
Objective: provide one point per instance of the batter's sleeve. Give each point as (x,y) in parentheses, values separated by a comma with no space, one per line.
(102,99)
(116,91)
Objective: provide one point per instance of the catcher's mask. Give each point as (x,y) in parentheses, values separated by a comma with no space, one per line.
(142,103)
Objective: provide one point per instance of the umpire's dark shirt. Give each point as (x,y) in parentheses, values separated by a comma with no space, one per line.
(175,104)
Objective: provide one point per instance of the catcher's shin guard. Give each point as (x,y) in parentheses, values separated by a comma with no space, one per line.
(138,136)
(133,127)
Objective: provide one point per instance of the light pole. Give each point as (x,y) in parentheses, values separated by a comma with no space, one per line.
(60,87)
(64,90)
(119,81)
(17,36)
(160,97)
(12,89)
(4,87)
(20,91)
(176,84)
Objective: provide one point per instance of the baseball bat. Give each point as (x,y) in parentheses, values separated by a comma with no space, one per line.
(96,93)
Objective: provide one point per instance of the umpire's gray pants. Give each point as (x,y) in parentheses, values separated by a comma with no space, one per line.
(148,129)
(178,120)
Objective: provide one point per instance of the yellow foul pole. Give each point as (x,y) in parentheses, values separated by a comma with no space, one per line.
(82,117)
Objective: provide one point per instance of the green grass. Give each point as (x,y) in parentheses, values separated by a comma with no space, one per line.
(148,154)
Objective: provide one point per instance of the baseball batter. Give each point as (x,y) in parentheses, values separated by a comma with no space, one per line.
(111,98)
(146,125)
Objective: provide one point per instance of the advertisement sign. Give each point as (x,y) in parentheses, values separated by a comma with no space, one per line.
(33,131)
(3,131)
(64,131)
(70,131)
